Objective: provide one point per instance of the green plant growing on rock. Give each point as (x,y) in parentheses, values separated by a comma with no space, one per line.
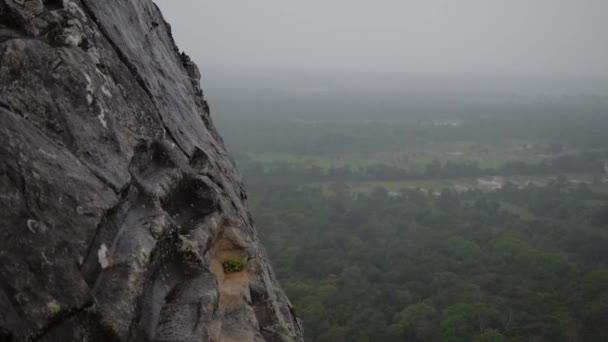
(233,265)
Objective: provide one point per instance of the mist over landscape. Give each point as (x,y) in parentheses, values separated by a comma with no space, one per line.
(419,170)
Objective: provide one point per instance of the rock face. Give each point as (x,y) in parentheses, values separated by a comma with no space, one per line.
(120,206)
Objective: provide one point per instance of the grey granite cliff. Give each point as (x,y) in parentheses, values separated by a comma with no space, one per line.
(119,204)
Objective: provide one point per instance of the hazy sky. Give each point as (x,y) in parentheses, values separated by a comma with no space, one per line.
(454,36)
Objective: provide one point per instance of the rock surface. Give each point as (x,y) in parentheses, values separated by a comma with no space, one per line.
(119,202)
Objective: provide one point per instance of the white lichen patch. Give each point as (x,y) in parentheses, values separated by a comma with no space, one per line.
(102,117)
(94,54)
(47,154)
(105,91)
(143,257)
(89,83)
(52,307)
(32,226)
(36,226)
(73,34)
(90,99)
(72,38)
(103,255)
(73,8)
(46,260)
(158,225)
(187,245)
(89,89)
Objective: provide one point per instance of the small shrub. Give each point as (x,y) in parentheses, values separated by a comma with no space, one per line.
(233,265)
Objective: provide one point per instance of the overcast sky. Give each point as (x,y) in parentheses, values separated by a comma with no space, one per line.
(455,36)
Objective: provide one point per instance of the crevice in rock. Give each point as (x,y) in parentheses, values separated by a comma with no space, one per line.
(53,5)
(190,202)
(5,106)
(10,296)
(59,318)
(101,178)
(26,197)
(12,21)
(200,161)
(8,35)
(224,192)
(149,159)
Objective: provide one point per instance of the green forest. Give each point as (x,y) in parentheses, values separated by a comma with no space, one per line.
(516,265)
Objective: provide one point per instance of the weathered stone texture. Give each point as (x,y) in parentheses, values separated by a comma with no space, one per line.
(119,202)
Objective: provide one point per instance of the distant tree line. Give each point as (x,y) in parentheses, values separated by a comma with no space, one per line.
(254,171)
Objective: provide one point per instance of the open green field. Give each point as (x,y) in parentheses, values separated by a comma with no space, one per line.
(459,184)
(600,189)
(417,157)
(515,209)
(414,157)
(323,162)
